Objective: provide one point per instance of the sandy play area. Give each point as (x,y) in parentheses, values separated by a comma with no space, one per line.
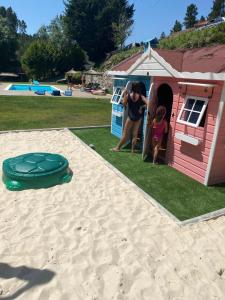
(98,238)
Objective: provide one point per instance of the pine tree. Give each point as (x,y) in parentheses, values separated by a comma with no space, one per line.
(202,19)
(177,27)
(190,17)
(96,24)
(162,36)
(217,10)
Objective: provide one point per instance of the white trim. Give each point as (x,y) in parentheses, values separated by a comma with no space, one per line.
(8,87)
(138,62)
(187,138)
(197,84)
(166,65)
(116,73)
(56,88)
(215,136)
(201,113)
(123,89)
(204,76)
(115,88)
(119,78)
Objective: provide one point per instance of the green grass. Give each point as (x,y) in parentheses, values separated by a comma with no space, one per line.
(17,112)
(182,196)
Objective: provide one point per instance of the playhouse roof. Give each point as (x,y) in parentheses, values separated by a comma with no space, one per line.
(127,63)
(206,63)
(207,59)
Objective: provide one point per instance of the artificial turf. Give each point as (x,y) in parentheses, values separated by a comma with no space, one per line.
(182,196)
(29,112)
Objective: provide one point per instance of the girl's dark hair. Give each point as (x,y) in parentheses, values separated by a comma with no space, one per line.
(160,113)
(136,88)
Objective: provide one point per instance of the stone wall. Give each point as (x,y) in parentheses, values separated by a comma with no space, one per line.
(103,80)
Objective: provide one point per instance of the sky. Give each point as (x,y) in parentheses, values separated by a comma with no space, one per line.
(151,18)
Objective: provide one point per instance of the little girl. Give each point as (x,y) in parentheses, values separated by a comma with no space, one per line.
(159,128)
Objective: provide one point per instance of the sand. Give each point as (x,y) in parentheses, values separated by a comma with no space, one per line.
(97,238)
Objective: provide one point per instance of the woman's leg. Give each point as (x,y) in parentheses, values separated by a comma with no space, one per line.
(135,134)
(126,133)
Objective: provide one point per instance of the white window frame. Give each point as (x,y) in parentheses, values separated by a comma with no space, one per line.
(115,94)
(123,88)
(179,120)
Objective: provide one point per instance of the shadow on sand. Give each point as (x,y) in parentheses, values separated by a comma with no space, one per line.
(33,277)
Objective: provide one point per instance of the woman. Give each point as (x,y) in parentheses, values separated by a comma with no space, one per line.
(136,103)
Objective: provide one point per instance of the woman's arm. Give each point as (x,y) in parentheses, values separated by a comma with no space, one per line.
(125,100)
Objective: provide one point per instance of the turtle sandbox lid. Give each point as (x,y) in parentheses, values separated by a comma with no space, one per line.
(35,171)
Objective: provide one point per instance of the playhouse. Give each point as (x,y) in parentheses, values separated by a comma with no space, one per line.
(191,85)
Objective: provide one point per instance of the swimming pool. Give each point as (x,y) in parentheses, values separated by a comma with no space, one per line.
(30,87)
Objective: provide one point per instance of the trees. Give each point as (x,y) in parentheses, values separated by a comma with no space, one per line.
(162,36)
(217,10)
(51,53)
(10,30)
(121,30)
(177,27)
(190,17)
(202,19)
(38,60)
(8,43)
(98,26)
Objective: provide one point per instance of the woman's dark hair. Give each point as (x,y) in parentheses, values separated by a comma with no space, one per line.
(160,113)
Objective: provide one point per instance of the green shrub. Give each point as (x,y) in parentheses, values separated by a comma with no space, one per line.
(76,78)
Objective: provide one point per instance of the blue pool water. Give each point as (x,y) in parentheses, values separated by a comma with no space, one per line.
(34,88)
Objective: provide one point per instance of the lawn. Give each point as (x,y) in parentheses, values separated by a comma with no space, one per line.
(182,196)
(29,112)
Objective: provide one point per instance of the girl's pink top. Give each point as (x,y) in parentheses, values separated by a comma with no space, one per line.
(158,129)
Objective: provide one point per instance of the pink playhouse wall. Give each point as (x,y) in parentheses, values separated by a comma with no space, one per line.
(217,174)
(186,158)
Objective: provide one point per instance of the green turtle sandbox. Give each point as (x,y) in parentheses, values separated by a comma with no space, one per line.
(35,170)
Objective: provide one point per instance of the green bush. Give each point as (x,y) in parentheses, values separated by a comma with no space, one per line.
(76,78)
(38,60)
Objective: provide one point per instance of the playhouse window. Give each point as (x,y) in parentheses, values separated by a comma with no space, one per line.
(117,95)
(192,111)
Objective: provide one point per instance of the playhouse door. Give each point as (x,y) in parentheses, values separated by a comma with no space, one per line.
(165,98)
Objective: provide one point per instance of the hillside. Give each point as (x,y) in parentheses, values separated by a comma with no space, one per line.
(180,40)
(195,39)
(117,57)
